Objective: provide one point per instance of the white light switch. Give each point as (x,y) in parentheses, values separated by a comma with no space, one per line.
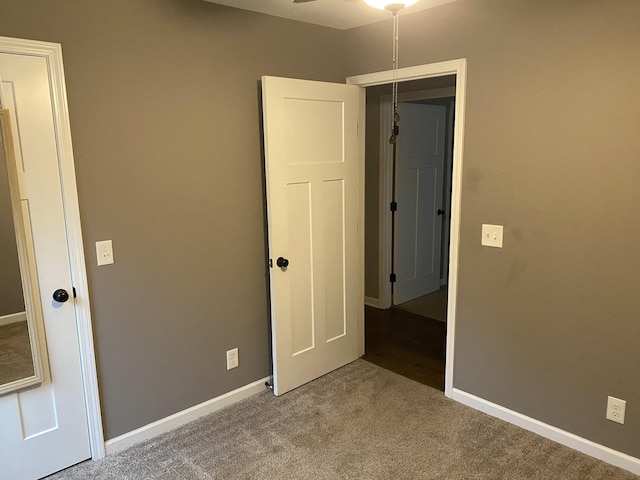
(492,235)
(104,252)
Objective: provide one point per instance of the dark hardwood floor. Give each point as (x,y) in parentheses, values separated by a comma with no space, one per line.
(407,344)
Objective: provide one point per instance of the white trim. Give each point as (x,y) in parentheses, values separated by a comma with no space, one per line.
(440,69)
(52,53)
(372,302)
(606,454)
(176,420)
(13,318)
(459,69)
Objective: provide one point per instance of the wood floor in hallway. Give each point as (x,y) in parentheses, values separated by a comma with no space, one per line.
(407,344)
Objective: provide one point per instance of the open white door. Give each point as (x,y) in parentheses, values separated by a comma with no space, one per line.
(44,428)
(315,198)
(419,195)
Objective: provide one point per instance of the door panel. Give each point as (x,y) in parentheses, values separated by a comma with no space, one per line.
(334,230)
(44,429)
(419,194)
(314,208)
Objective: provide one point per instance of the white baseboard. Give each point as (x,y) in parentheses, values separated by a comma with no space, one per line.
(185,416)
(13,318)
(372,302)
(606,454)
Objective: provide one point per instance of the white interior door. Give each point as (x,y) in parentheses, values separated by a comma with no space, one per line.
(419,195)
(315,198)
(42,429)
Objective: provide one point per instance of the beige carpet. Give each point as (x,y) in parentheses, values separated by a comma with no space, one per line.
(433,305)
(15,352)
(359,422)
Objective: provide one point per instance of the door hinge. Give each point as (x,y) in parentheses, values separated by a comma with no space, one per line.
(396,130)
(270,263)
(74,292)
(394,206)
(392,278)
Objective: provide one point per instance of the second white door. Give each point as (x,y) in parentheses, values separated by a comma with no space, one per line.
(419,195)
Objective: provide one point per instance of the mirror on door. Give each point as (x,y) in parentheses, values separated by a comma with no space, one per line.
(20,356)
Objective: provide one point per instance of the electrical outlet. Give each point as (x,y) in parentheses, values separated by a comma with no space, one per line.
(232,358)
(615,409)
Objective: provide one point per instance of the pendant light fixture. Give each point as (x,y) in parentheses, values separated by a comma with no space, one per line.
(390,4)
(394,7)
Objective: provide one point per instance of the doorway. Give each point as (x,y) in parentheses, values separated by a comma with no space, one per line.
(409,335)
(377,293)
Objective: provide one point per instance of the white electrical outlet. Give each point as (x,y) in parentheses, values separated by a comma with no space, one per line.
(492,235)
(232,358)
(615,409)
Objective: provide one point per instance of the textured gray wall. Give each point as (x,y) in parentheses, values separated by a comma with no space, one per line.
(164,107)
(11,299)
(547,326)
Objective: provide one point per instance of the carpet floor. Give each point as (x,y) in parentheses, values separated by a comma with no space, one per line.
(359,422)
(15,352)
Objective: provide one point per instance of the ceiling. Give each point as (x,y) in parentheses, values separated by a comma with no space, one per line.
(340,14)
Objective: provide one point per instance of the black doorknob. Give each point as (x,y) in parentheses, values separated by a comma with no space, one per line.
(440,211)
(282,262)
(60,295)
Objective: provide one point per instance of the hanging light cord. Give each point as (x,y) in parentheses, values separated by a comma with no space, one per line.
(396,116)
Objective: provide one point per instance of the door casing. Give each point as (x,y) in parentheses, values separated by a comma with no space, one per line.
(458,68)
(52,53)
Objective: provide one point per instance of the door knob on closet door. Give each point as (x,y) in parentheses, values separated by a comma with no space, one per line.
(60,295)
(282,262)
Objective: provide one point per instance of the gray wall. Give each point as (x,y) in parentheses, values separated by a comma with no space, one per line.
(547,326)
(164,107)
(11,299)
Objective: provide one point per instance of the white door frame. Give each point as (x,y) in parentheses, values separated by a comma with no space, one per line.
(459,69)
(52,54)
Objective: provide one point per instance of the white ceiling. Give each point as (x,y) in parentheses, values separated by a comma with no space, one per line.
(340,14)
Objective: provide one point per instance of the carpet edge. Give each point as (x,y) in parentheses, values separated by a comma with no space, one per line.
(183,417)
(571,440)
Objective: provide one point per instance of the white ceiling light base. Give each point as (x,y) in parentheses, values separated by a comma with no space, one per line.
(391,5)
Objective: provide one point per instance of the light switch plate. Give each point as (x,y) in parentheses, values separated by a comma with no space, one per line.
(104,252)
(492,235)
